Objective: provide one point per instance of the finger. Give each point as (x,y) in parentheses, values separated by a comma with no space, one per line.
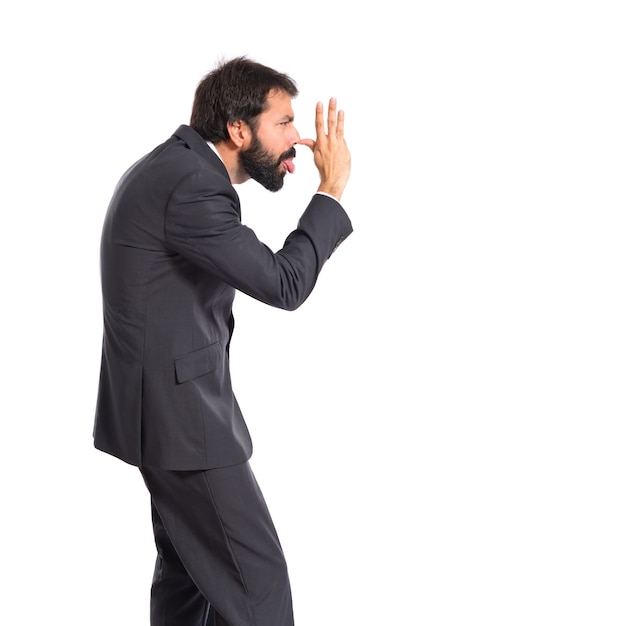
(332,114)
(340,121)
(308,142)
(319,120)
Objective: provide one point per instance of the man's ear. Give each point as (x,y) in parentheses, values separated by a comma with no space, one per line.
(239,133)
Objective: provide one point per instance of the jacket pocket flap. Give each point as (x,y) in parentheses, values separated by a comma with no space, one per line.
(196,363)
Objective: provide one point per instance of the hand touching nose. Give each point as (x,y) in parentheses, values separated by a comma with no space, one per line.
(330,151)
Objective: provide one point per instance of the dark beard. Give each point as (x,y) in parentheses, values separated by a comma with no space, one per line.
(263,167)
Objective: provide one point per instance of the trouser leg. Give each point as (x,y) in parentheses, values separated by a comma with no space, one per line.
(223,536)
(174,599)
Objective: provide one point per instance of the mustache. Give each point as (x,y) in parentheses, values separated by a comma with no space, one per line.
(290,154)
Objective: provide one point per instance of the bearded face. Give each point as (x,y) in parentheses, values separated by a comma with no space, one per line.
(267,169)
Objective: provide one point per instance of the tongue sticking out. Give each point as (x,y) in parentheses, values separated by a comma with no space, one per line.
(289,166)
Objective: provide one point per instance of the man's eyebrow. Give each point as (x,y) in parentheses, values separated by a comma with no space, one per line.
(287,118)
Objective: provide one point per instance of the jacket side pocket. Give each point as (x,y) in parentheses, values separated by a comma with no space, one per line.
(197,363)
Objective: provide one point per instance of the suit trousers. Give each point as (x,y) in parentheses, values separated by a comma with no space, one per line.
(219,560)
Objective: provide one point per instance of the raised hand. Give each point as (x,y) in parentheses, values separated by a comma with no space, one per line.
(330,151)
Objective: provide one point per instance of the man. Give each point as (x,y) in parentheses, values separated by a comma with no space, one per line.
(173,253)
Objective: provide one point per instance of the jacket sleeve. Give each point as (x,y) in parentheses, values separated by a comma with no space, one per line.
(203,224)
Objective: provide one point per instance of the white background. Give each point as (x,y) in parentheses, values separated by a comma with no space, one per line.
(439,430)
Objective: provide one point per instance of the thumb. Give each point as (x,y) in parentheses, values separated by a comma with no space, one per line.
(308,142)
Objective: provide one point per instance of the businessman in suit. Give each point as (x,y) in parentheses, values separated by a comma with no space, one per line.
(173,253)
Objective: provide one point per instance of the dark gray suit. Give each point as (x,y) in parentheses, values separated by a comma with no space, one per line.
(173,253)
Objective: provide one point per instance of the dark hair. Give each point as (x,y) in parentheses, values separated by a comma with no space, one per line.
(235,90)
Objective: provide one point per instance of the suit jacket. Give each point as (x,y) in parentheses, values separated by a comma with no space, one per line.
(173,253)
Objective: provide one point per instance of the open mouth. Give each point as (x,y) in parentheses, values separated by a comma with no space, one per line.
(287,160)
